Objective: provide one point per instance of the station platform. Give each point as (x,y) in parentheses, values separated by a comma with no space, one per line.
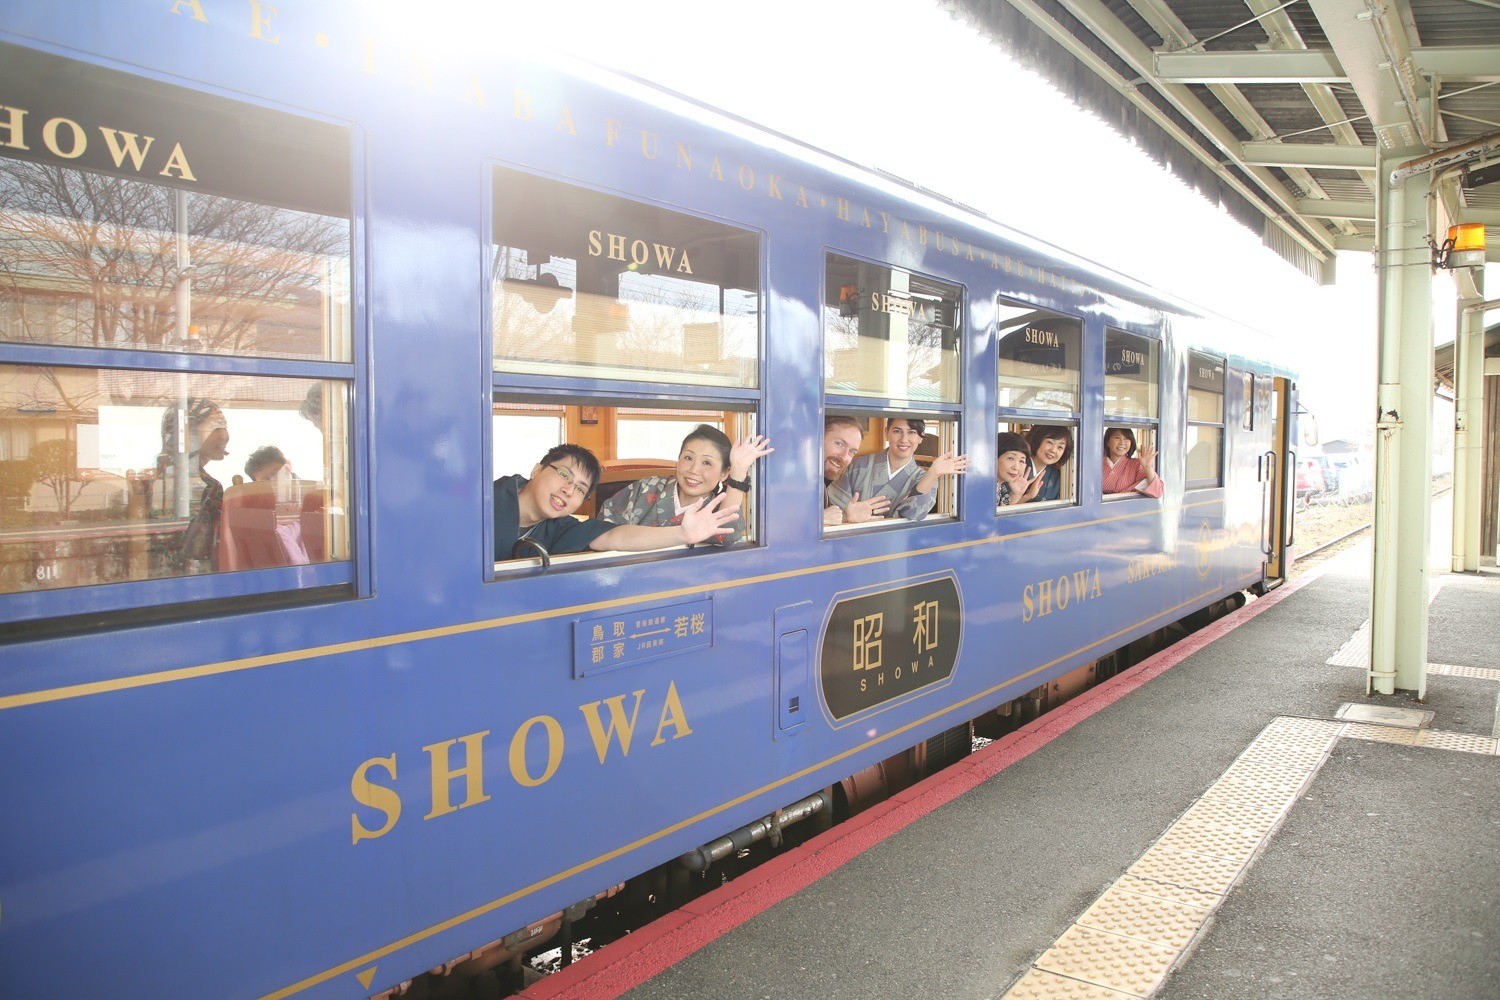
(1232,818)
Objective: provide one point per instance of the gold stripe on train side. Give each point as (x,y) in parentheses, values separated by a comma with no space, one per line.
(380,642)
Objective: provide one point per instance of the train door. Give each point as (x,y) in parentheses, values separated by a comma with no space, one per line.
(1276,399)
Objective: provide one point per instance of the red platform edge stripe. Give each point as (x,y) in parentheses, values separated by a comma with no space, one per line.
(627,963)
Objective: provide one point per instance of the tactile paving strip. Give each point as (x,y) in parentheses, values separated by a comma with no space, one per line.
(1133,934)
(1462,742)
(1130,914)
(1040,985)
(1108,960)
(1454,670)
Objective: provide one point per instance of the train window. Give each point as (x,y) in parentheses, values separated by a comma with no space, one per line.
(889,469)
(1247,402)
(115,476)
(889,334)
(591,284)
(1131,376)
(1046,471)
(176,353)
(1205,422)
(173,237)
(652,463)
(1039,406)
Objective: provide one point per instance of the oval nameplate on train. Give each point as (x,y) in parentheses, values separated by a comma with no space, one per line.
(881,645)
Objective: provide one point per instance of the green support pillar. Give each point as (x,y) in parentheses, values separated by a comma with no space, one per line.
(1403,440)
(1468,430)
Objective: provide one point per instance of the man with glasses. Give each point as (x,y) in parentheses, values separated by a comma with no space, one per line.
(540,508)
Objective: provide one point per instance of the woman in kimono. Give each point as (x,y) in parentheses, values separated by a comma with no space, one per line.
(1123,472)
(707,464)
(895,475)
(1051,448)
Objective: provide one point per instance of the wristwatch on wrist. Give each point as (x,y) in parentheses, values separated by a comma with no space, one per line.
(743,485)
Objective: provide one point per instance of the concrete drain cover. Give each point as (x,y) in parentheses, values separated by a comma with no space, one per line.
(1406,718)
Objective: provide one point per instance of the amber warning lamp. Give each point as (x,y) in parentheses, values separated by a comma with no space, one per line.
(1464,247)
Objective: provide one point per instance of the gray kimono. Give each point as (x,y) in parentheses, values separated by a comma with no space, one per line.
(866,476)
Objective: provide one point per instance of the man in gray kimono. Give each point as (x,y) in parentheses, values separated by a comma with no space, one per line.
(895,476)
(841,441)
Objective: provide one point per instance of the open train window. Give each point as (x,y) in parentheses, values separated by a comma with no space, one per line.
(1131,416)
(653,464)
(891,371)
(1204,465)
(176,355)
(1040,358)
(593,295)
(891,469)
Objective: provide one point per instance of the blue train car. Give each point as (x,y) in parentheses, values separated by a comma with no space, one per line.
(283,296)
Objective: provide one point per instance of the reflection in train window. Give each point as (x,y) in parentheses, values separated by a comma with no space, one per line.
(1205,422)
(1247,402)
(654,461)
(889,333)
(112,476)
(1039,401)
(590,284)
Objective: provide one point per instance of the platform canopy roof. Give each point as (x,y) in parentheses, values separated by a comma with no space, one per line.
(1277,110)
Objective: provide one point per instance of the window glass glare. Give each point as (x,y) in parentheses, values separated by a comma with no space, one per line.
(1205,388)
(591,284)
(1039,360)
(890,333)
(1247,413)
(111,476)
(1130,375)
(1205,453)
(95,261)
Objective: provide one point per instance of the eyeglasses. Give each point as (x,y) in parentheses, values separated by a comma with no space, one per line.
(570,481)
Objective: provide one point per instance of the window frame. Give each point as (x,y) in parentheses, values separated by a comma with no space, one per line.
(241,591)
(868,407)
(1035,416)
(1150,424)
(605,391)
(1194,357)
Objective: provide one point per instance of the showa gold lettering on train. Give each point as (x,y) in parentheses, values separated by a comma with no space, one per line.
(881,645)
(67,139)
(638,253)
(1047,597)
(536,754)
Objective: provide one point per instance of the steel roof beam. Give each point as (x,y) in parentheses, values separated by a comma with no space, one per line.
(1364,211)
(1283,154)
(1113,32)
(1371,44)
(1455,64)
(1165,22)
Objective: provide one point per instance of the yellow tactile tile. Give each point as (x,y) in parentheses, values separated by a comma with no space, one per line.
(1271,775)
(1109,960)
(1454,670)
(1192,871)
(1167,891)
(1253,794)
(1216,841)
(1159,921)
(1040,985)
(1224,805)
(1464,742)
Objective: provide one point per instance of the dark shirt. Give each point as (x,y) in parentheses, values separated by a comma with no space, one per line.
(1051,488)
(557,535)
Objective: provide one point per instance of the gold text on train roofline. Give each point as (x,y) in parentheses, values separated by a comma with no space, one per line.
(266,25)
(1045,597)
(539,730)
(66,139)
